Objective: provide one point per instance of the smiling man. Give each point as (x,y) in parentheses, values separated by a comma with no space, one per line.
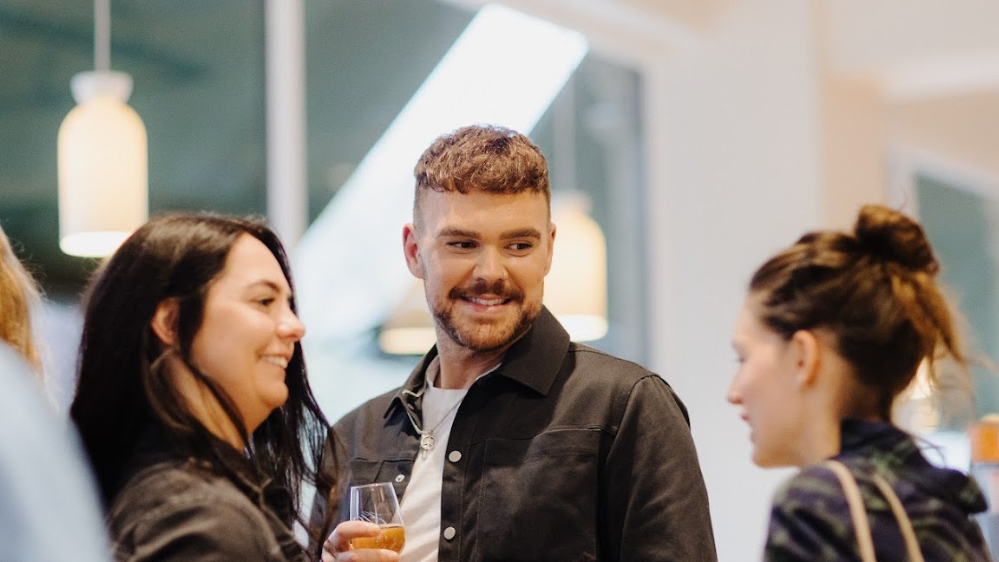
(509,442)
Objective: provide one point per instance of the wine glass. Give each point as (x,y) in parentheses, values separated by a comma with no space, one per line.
(377,503)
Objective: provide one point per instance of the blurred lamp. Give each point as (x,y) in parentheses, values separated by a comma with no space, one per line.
(576,286)
(102,156)
(410,328)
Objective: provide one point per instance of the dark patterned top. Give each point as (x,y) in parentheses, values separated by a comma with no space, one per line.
(810,520)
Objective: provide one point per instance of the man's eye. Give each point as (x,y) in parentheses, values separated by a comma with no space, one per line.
(521,246)
(462,245)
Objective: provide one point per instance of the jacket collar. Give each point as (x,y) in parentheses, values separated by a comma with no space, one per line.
(155,447)
(532,361)
(884,444)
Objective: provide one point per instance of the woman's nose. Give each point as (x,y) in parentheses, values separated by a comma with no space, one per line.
(291,327)
(733,395)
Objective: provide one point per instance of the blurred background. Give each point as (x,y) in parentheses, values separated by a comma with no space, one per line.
(693,137)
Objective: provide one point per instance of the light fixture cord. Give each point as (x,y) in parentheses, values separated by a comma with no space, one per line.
(102,35)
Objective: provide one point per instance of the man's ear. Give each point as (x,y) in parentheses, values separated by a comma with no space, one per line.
(411,249)
(806,355)
(164,322)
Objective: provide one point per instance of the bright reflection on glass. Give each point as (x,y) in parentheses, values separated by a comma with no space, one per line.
(505,69)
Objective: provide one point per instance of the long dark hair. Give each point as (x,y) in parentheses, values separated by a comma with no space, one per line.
(874,290)
(123,390)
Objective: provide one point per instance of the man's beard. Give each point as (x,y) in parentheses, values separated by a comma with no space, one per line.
(482,336)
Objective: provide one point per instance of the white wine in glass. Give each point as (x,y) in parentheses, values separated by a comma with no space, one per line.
(378,504)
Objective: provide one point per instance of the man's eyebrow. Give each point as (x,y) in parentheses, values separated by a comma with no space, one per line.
(516,233)
(457,232)
(522,233)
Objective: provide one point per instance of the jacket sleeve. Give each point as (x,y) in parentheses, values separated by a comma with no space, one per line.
(335,467)
(199,531)
(657,505)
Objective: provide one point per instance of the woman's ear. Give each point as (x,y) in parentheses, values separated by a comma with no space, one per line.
(806,354)
(164,322)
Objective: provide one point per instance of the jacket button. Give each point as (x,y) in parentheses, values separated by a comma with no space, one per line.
(449,533)
(454,456)
(400,478)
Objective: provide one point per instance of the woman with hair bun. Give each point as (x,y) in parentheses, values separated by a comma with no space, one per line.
(832,330)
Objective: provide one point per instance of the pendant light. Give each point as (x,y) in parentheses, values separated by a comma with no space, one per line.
(102,156)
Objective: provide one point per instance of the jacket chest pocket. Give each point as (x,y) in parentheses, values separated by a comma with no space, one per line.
(363,471)
(538,497)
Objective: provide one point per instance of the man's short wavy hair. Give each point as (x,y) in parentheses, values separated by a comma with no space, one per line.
(487,158)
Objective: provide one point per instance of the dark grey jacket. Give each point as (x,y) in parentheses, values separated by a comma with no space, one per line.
(563,453)
(175,510)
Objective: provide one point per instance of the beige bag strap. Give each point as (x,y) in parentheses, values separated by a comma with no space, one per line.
(911,544)
(862,525)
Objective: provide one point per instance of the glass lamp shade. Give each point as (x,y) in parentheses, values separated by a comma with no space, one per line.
(410,328)
(102,159)
(576,285)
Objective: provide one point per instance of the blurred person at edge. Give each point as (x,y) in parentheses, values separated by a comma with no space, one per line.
(832,330)
(193,401)
(17,295)
(46,489)
(509,442)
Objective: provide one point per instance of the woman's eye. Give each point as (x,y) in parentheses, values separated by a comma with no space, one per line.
(265,302)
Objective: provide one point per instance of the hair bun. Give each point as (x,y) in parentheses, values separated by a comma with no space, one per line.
(891,236)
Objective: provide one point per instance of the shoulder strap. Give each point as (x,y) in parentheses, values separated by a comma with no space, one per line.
(911,544)
(861,525)
(859,513)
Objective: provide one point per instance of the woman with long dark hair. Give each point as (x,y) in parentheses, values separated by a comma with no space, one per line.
(834,328)
(193,401)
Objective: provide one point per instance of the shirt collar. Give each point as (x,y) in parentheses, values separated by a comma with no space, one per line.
(532,361)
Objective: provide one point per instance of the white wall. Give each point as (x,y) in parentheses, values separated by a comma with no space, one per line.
(735,149)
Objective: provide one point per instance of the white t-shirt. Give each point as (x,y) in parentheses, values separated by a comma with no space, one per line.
(421,506)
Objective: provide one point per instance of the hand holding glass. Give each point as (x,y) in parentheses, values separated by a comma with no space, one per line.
(377,503)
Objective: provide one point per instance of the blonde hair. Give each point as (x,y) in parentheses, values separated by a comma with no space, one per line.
(17,293)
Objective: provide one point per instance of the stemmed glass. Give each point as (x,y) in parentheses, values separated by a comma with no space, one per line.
(377,503)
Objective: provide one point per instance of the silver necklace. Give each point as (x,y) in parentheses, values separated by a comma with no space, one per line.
(427,439)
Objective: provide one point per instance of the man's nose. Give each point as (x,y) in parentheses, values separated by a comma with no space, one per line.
(490,265)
